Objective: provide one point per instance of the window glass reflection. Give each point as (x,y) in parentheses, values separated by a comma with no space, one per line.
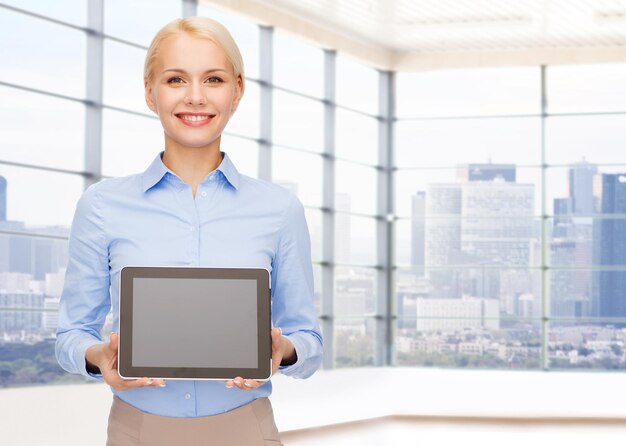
(123,77)
(298,66)
(469,92)
(441,143)
(58,66)
(356,187)
(586,88)
(129,21)
(355,239)
(300,172)
(357,86)
(597,139)
(71,11)
(41,130)
(356,137)
(129,142)
(297,122)
(37,198)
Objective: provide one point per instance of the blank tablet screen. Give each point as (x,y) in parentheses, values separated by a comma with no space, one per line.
(194,322)
(170,316)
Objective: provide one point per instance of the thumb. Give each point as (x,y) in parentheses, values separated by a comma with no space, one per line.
(113,342)
(276,334)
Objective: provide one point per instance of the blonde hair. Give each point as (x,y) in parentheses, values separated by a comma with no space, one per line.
(203,28)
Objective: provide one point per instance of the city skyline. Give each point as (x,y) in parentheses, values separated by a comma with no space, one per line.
(482,221)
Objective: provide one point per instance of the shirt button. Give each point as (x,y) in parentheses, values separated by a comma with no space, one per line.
(212,178)
(203,193)
(191,228)
(187,396)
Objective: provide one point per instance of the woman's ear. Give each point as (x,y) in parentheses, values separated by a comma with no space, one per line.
(238,94)
(149,96)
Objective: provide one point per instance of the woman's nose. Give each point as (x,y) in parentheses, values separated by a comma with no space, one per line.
(195,95)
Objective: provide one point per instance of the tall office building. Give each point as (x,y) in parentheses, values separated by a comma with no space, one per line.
(580,187)
(497,222)
(496,230)
(572,236)
(563,224)
(610,245)
(418,228)
(457,314)
(442,238)
(486,172)
(3,198)
(342,228)
(569,296)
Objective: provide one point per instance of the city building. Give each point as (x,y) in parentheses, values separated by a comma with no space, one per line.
(418,231)
(3,198)
(487,172)
(451,315)
(610,244)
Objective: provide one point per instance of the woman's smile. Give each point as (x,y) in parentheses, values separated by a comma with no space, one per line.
(194,119)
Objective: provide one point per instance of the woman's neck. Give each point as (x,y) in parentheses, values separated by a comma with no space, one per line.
(192,165)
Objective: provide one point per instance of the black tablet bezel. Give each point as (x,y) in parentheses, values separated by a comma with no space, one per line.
(128,371)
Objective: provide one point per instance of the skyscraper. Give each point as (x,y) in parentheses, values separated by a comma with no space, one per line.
(486,172)
(3,198)
(580,185)
(342,228)
(570,294)
(418,228)
(610,245)
(442,238)
(496,230)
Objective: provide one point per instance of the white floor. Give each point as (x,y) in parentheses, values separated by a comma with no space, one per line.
(402,433)
(68,415)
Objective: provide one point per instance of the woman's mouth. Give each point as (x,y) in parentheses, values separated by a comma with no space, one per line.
(194,119)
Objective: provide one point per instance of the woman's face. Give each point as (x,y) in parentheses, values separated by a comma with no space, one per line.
(193,91)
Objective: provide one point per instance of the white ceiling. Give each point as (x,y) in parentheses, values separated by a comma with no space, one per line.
(409,32)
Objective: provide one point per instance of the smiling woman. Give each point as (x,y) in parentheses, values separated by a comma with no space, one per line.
(191,207)
(193,103)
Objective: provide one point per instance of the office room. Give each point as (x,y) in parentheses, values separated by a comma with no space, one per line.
(441,183)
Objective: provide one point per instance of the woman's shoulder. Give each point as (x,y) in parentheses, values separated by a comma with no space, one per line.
(267,189)
(125,184)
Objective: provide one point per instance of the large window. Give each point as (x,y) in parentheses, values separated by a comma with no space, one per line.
(500,244)
(508,238)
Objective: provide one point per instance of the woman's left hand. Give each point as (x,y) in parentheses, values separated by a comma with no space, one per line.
(282,351)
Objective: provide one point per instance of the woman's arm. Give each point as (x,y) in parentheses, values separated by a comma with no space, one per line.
(85,300)
(292,293)
(297,345)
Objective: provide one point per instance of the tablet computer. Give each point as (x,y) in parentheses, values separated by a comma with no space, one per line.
(194,323)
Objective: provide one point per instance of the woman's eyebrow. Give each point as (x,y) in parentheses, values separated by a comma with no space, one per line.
(179,70)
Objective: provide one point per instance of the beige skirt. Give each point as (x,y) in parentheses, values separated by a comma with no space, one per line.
(249,425)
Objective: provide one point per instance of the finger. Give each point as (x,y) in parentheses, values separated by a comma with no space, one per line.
(276,339)
(251,384)
(238,382)
(276,334)
(136,383)
(113,342)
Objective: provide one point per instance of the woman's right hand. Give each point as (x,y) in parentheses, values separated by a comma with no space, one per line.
(104,357)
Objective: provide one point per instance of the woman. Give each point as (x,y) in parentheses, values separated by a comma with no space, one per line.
(190,207)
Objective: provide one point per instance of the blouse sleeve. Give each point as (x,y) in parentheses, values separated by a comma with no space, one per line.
(85,300)
(292,293)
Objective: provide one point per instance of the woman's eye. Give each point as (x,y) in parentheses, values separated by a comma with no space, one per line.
(214,80)
(174,80)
